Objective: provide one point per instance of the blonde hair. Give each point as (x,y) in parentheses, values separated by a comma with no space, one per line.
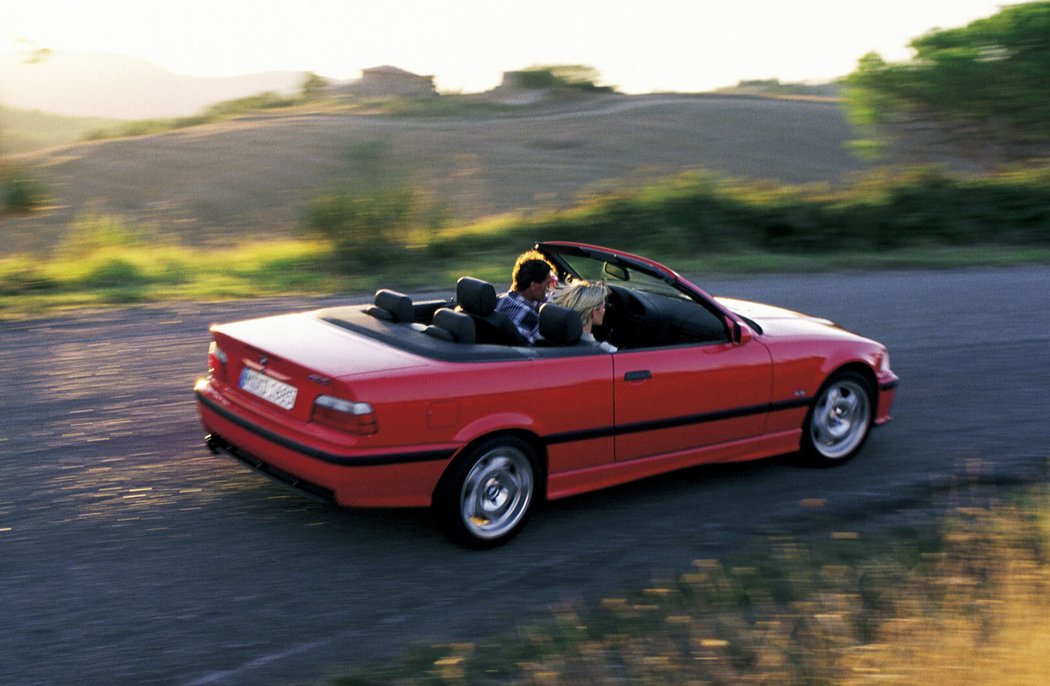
(583,297)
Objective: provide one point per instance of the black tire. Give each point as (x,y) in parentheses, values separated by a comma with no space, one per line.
(838,423)
(485,498)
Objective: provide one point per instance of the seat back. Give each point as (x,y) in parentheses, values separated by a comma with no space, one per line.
(391,306)
(560,325)
(450,325)
(475,296)
(478,299)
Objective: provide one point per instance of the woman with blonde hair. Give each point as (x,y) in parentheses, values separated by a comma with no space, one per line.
(586,298)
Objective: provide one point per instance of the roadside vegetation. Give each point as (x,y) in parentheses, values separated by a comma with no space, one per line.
(561,77)
(982,84)
(22,193)
(960,600)
(396,235)
(105,261)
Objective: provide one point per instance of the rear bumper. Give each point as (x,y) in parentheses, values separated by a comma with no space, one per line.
(220,446)
(351,479)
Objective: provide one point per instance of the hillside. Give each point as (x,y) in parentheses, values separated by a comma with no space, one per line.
(24,130)
(254,175)
(119,87)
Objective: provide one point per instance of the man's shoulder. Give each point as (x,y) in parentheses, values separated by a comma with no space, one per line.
(510,300)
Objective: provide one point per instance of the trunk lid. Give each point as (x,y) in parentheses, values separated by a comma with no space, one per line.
(286,361)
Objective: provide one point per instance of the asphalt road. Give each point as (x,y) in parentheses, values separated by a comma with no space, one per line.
(129,555)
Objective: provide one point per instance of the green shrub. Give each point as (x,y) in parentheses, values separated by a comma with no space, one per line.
(887,210)
(91,233)
(23,276)
(560,77)
(113,272)
(262,101)
(366,228)
(22,193)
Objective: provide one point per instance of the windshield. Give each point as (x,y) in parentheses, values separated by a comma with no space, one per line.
(591,269)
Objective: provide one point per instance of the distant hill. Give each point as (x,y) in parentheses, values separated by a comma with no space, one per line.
(117,87)
(26,130)
(254,175)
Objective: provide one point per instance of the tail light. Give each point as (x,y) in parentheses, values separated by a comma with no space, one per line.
(354,417)
(216,361)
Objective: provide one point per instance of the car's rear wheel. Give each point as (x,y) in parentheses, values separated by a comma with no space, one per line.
(839,421)
(486,497)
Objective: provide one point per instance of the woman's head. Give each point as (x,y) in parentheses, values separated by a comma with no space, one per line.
(586,298)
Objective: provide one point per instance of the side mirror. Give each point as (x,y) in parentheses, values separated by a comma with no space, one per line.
(739,333)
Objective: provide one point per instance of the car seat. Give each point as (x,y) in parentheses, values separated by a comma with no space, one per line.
(449,325)
(478,299)
(559,325)
(391,306)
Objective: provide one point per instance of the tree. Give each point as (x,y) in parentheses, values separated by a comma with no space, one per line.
(990,74)
(561,77)
(19,191)
(313,86)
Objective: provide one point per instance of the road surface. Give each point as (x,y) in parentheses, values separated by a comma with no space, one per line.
(130,555)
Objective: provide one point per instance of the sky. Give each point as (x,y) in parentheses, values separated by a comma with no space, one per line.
(638,46)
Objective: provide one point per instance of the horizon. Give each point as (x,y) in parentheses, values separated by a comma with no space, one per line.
(663,45)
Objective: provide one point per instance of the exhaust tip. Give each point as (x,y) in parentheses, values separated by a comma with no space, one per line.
(213,443)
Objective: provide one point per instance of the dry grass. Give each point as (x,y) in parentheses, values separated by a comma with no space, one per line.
(968,605)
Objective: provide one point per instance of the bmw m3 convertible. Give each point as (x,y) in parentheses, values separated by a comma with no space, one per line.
(437,403)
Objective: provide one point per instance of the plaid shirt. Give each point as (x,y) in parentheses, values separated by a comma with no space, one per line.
(523,313)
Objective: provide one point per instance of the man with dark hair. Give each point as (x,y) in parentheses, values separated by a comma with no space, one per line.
(533,276)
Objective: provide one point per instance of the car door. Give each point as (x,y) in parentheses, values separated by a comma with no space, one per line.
(676,400)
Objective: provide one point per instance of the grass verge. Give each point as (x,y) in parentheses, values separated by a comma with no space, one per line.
(120,275)
(964,601)
(112,275)
(395,235)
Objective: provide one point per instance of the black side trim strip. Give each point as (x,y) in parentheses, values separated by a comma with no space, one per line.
(331,458)
(552,439)
(888,386)
(671,422)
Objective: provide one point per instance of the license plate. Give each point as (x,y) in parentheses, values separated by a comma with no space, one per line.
(268,388)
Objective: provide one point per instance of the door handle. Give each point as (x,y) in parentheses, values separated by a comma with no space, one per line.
(638,375)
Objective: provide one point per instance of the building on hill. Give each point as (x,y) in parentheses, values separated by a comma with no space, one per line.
(386,82)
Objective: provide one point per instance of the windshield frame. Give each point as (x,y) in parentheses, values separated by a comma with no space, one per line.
(576,261)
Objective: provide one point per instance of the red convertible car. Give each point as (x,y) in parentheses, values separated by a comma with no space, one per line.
(435,404)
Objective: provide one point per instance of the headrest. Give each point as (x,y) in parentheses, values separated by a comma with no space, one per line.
(451,325)
(476,296)
(560,325)
(392,306)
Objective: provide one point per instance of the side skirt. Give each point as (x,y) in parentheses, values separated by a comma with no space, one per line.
(579,481)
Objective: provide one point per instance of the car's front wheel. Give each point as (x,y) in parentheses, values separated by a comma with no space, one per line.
(839,421)
(485,499)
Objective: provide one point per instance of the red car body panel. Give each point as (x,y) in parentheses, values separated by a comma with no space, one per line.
(596,419)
